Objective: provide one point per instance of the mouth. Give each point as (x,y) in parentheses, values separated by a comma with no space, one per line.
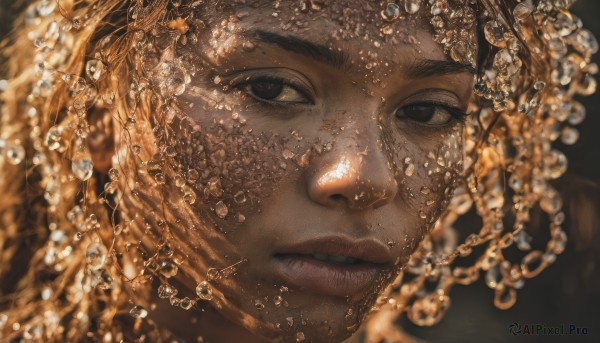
(335,266)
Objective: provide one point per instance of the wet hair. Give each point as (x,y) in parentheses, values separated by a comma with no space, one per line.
(68,62)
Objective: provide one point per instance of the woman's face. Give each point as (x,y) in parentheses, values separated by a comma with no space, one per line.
(323,145)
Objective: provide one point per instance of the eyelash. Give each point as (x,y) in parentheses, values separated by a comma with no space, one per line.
(455,112)
(269,78)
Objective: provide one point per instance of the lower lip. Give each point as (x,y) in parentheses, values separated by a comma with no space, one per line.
(327,278)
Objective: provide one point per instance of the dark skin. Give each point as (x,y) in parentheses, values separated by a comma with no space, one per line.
(368,144)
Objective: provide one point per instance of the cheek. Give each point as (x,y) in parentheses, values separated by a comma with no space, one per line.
(427,168)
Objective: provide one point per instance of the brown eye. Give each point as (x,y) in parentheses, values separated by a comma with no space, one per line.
(274,90)
(422,113)
(430,114)
(268,90)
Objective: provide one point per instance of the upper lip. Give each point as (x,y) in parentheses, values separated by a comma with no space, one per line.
(367,250)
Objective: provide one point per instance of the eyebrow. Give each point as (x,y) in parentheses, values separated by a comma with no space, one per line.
(426,67)
(318,52)
(340,60)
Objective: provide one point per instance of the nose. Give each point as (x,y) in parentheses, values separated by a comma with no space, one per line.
(353,176)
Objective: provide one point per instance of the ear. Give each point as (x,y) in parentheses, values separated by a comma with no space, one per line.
(100,139)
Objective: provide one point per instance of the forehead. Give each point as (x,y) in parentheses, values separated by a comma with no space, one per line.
(360,28)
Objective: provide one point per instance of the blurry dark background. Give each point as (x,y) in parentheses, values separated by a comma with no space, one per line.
(568,293)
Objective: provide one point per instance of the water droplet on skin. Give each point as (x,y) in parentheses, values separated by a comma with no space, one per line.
(248,46)
(221,209)
(138,312)
(259,305)
(204,291)
(277,300)
(95,256)
(239,197)
(391,12)
(409,169)
(287,154)
(412,6)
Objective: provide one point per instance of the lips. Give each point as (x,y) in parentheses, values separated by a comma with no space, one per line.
(334,265)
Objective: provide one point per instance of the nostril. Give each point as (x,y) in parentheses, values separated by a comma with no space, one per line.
(336,197)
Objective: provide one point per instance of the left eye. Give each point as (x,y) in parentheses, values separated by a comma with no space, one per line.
(430,114)
(274,91)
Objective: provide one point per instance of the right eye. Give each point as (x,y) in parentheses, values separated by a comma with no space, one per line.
(274,90)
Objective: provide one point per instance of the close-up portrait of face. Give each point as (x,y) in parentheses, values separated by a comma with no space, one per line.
(292,170)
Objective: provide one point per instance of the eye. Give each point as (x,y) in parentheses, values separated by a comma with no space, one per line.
(431,113)
(274,90)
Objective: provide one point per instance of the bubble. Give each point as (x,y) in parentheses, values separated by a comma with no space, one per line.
(95,256)
(221,209)
(204,291)
(138,312)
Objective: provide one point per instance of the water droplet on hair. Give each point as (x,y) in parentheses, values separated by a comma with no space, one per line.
(168,268)
(203,291)
(300,336)
(15,153)
(82,166)
(138,312)
(95,68)
(290,321)
(186,303)
(45,7)
(95,256)
(166,291)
